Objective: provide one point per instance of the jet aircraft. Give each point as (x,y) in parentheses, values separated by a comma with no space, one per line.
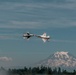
(44,37)
(27,35)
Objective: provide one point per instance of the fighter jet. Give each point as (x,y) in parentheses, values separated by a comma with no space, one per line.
(27,35)
(43,37)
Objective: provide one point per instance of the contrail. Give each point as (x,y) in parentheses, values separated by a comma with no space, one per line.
(64,41)
(10,36)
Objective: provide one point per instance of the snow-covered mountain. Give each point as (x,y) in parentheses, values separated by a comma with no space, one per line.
(59,59)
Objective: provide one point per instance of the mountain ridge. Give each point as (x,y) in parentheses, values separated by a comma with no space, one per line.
(59,59)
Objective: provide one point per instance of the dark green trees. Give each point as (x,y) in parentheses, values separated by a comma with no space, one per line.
(38,71)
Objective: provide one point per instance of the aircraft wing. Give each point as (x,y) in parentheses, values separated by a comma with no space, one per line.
(26,38)
(44,40)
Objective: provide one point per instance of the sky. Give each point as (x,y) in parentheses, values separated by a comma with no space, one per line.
(55,17)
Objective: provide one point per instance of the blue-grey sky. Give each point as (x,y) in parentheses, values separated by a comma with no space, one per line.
(55,17)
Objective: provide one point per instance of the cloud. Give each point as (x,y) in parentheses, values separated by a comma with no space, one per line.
(62,4)
(55,23)
(22,6)
(19,6)
(5,59)
(62,23)
(67,4)
(26,24)
(38,15)
(23,24)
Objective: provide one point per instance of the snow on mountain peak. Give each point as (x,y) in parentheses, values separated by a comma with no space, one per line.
(61,54)
(57,59)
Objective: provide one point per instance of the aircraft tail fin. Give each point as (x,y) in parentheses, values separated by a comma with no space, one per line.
(44,34)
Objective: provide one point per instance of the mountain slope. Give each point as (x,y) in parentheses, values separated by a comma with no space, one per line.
(59,59)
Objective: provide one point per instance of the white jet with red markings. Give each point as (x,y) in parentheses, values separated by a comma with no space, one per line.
(44,37)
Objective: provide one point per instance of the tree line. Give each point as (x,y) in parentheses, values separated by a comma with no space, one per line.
(39,71)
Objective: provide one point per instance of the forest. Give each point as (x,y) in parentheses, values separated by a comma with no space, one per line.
(36,71)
